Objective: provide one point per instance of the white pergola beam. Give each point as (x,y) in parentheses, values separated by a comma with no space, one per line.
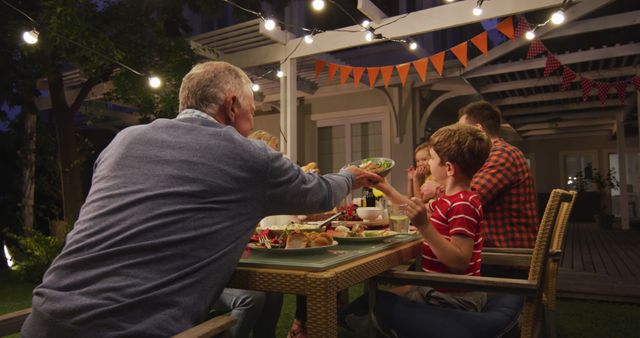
(608,128)
(547,97)
(558,108)
(423,21)
(372,11)
(575,12)
(570,135)
(555,80)
(565,59)
(564,116)
(566,124)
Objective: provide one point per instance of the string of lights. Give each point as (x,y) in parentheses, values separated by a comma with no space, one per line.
(31,38)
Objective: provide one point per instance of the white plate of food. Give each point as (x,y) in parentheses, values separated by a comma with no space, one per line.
(367,236)
(280,228)
(378,165)
(290,251)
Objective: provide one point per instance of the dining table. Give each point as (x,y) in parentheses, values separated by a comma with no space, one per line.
(321,274)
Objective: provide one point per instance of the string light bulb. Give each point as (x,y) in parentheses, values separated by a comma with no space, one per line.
(530,35)
(413,45)
(269,24)
(365,23)
(308,39)
(30,37)
(557,18)
(155,82)
(279,73)
(255,87)
(368,36)
(318,5)
(477,11)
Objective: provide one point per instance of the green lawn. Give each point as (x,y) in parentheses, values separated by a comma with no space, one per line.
(575,318)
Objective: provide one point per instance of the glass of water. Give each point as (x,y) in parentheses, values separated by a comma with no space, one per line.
(398,221)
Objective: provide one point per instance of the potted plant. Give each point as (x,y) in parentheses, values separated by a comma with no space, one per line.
(602,184)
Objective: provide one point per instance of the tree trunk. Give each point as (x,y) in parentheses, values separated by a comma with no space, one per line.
(28,155)
(68,157)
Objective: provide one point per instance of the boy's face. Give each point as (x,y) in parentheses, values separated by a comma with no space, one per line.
(422,158)
(438,170)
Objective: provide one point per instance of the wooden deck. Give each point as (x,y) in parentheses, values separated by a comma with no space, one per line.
(600,263)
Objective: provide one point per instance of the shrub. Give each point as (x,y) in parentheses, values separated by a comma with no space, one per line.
(34,254)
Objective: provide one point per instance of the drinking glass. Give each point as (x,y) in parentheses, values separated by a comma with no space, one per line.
(398,221)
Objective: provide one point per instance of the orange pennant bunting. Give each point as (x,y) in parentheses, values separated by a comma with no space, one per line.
(319,65)
(460,51)
(480,41)
(386,74)
(506,27)
(344,73)
(438,61)
(373,74)
(332,70)
(403,71)
(421,68)
(357,75)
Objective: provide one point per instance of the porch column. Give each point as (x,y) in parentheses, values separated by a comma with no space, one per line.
(289,110)
(622,162)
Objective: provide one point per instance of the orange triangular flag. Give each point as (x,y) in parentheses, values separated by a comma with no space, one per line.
(403,71)
(480,41)
(357,75)
(506,27)
(332,70)
(438,62)
(421,68)
(344,73)
(386,74)
(319,65)
(373,74)
(460,51)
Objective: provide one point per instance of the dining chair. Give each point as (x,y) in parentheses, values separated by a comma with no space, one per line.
(502,309)
(492,255)
(11,323)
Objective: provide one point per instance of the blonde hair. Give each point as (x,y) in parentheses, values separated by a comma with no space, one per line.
(267,138)
(463,145)
(208,84)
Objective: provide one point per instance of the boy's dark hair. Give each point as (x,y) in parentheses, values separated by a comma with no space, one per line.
(463,145)
(483,113)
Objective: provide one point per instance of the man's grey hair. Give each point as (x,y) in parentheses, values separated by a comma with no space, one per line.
(207,85)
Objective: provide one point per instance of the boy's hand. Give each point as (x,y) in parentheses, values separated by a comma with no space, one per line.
(421,172)
(411,171)
(417,212)
(429,189)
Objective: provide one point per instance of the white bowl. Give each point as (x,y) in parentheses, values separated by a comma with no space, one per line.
(369,213)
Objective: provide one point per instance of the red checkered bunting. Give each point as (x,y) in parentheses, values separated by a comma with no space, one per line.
(587,86)
(603,91)
(523,26)
(552,65)
(568,76)
(636,82)
(621,89)
(536,48)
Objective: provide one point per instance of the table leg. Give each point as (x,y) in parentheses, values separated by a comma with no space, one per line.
(322,318)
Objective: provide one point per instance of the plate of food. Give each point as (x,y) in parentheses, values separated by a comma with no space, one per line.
(296,242)
(281,228)
(378,165)
(344,235)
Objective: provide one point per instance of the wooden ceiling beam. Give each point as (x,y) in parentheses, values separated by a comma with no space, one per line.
(559,108)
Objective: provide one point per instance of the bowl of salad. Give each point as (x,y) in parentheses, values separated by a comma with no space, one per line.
(378,165)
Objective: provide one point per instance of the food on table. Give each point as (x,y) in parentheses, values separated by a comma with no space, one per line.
(349,213)
(341,231)
(360,232)
(310,167)
(319,239)
(293,226)
(296,240)
(375,165)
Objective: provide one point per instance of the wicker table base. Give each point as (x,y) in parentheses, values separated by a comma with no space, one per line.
(321,287)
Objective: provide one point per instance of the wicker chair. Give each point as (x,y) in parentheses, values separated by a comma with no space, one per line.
(493,255)
(12,322)
(503,303)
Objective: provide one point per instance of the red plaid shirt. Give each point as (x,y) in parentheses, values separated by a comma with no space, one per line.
(508,198)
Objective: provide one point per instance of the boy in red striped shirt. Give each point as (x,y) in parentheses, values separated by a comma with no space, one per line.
(452,224)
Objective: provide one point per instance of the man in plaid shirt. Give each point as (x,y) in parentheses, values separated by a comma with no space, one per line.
(504,184)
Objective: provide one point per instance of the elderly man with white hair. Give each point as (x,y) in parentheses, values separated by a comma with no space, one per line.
(171,207)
